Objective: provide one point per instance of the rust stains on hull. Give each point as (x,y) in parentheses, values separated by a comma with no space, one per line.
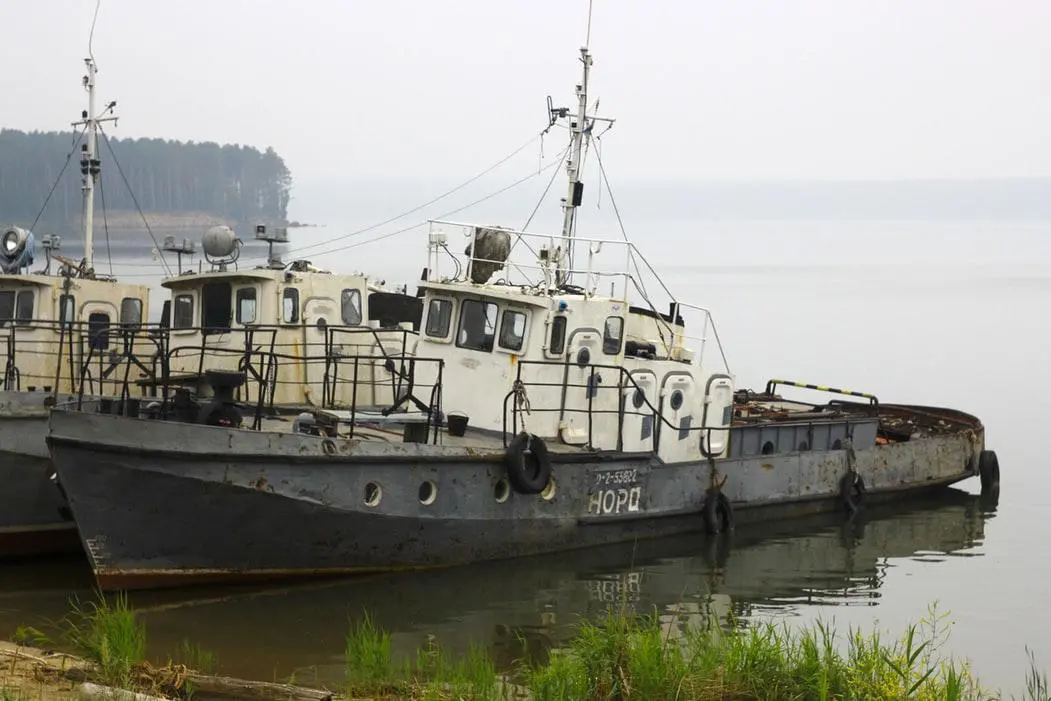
(118,580)
(31,541)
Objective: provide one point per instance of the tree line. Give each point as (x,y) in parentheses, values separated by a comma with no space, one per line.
(231,181)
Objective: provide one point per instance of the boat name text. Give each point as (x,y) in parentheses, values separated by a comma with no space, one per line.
(622,500)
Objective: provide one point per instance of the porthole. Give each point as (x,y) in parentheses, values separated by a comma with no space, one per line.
(676,400)
(768,448)
(502,491)
(373,494)
(639,398)
(428,493)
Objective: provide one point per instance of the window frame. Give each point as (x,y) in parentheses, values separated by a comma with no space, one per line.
(355,294)
(607,341)
(465,304)
(124,323)
(62,299)
(175,311)
(245,294)
(558,322)
(98,331)
(448,319)
(294,297)
(513,311)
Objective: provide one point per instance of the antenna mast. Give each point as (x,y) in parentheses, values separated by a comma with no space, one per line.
(89,161)
(580,125)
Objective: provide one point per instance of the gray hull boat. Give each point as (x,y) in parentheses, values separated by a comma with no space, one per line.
(528,414)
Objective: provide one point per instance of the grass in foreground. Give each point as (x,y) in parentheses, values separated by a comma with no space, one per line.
(622,657)
(634,657)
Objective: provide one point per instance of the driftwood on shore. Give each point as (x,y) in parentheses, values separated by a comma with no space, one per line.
(228,687)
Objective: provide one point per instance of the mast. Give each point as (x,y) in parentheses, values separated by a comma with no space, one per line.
(89,161)
(580,125)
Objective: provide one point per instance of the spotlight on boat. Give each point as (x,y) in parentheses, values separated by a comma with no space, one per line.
(13,241)
(17,249)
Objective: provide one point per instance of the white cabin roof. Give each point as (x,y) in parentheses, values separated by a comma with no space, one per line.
(258,274)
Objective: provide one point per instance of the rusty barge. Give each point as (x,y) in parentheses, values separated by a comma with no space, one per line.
(528,414)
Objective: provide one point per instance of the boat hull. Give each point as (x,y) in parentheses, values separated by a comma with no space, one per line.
(34,517)
(204,504)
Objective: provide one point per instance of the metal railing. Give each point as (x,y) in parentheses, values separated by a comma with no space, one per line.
(269,364)
(519,402)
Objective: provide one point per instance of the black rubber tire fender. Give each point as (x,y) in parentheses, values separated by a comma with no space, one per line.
(989,470)
(718,513)
(528,464)
(852,491)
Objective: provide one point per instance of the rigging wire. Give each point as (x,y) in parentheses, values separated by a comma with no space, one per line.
(105,224)
(462,185)
(65,165)
(134,199)
(449,213)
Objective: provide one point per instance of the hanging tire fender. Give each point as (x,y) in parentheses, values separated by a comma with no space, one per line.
(528,464)
(718,513)
(852,490)
(989,470)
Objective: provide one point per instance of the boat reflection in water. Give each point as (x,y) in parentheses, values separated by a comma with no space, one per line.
(527,607)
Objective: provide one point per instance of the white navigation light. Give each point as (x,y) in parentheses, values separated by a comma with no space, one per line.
(16,249)
(13,240)
(10,242)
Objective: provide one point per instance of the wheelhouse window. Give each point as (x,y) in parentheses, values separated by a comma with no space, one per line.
(350,307)
(477,325)
(98,331)
(612,335)
(439,317)
(246,306)
(16,307)
(182,312)
(216,306)
(557,346)
(130,312)
(512,330)
(7,307)
(67,308)
(290,306)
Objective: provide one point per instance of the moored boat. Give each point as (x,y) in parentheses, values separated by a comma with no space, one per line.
(56,342)
(530,415)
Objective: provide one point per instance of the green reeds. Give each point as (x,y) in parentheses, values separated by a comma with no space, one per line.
(642,657)
(109,635)
(432,674)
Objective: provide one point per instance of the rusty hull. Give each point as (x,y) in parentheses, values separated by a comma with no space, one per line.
(204,504)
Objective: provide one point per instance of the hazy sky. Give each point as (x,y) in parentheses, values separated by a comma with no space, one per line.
(744,89)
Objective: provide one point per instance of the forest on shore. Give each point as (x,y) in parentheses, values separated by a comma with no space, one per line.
(176,184)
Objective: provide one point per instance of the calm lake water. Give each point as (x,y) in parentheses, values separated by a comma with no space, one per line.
(962,329)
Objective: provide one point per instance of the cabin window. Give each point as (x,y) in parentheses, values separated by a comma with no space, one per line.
(130,312)
(246,311)
(439,317)
(512,330)
(67,308)
(612,335)
(215,307)
(16,306)
(182,313)
(477,325)
(7,307)
(350,305)
(98,331)
(558,336)
(290,306)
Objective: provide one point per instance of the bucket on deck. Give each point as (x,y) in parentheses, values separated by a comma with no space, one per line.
(457,424)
